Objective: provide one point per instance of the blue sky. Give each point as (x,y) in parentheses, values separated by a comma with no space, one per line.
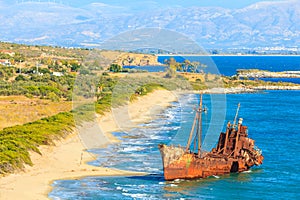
(157,3)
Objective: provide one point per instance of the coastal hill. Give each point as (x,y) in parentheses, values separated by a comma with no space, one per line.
(135,59)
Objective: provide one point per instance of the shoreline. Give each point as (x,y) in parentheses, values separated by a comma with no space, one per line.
(68,158)
(216,55)
(245,90)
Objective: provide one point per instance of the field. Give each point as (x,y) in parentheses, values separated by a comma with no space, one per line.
(17,110)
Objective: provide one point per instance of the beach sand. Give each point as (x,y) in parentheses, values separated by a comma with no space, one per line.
(67,159)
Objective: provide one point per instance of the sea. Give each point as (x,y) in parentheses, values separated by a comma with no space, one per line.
(273,121)
(228,65)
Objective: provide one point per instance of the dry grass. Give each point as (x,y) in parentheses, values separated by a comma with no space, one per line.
(111,55)
(194,76)
(17,110)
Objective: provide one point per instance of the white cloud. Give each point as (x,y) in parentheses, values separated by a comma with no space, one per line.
(90,34)
(99,4)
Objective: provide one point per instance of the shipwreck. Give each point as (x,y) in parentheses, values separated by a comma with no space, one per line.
(234,152)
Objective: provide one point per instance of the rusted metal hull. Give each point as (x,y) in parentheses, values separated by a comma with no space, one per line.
(190,167)
(238,155)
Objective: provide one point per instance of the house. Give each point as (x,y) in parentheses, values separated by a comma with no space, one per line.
(5,62)
(8,52)
(57,74)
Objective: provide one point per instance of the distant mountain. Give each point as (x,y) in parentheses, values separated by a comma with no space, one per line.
(265,24)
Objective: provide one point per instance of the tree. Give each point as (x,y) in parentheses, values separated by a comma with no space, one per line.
(4,56)
(115,68)
(186,64)
(194,66)
(173,64)
(75,67)
(19,57)
(44,70)
(20,78)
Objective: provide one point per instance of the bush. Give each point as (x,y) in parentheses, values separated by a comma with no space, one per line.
(20,78)
(115,68)
(53,97)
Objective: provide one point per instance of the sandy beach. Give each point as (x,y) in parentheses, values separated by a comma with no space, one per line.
(67,159)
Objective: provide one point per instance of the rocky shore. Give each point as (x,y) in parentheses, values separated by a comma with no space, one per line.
(296,87)
(267,74)
(237,90)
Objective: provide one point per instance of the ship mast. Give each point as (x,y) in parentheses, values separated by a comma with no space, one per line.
(191,134)
(198,120)
(236,115)
(199,129)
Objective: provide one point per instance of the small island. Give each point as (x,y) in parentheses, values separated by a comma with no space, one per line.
(256,73)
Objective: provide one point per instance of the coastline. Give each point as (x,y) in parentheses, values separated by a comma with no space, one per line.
(241,90)
(216,55)
(67,159)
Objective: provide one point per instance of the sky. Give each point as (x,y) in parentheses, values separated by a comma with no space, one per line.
(158,3)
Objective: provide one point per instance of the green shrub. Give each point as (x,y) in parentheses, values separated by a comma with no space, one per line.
(16,141)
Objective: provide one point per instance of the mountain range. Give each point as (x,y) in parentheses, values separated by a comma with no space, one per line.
(260,25)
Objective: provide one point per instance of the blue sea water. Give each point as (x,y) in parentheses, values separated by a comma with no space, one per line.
(290,80)
(273,121)
(227,65)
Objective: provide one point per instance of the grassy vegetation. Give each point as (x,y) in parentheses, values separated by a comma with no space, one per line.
(117,91)
(44,86)
(17,141)
(201,81)
(32,52)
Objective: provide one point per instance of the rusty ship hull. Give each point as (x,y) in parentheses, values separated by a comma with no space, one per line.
(189,166)
(234,152)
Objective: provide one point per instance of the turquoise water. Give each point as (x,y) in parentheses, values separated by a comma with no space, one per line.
(273,121)
(290,80)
